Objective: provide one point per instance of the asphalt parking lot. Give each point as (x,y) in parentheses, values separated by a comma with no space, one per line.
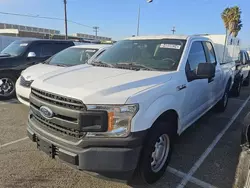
(206,155)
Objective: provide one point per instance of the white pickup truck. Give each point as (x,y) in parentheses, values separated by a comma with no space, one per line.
(72,56)
(121,113)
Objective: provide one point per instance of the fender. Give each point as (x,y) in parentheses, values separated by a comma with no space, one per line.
(145,119)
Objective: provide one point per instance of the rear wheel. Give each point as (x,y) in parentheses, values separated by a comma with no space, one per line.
(155,154)
(247,80)
(7,86)
(222,104)
(237,88)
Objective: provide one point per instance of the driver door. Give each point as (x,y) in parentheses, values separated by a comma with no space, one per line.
(197,91)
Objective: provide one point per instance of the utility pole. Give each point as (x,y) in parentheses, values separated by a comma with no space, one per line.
(138,21)
(65,19)
(96,30)
(173,30)
(139,15)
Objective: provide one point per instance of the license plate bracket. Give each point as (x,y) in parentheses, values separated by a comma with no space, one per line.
(46,147)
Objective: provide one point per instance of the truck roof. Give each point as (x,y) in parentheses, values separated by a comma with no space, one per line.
(158,37)
(43,40)
(90,46)
(181,37)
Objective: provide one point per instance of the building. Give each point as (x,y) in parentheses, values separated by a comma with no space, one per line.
(44,33)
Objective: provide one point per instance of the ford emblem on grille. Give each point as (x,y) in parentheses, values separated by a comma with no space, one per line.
(46,112)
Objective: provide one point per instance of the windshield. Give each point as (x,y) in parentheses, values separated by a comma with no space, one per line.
(162,54)
(15,48)
(72,56)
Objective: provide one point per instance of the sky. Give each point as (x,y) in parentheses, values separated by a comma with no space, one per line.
(118,18)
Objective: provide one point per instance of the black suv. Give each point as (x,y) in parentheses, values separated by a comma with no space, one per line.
(21,54)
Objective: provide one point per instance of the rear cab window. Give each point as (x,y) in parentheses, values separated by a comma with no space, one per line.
(210,52)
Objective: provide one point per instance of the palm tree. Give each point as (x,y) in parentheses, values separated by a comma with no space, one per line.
(231,17)
(226,17)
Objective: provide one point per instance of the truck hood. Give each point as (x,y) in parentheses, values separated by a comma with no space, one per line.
(40,69)
(100,85)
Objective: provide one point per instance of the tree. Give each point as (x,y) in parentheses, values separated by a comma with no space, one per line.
(231,17)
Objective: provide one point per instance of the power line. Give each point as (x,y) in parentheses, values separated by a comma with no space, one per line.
(44,17)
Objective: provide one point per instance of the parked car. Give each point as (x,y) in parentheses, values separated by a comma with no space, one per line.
(72,56)
(242,76)
(242,178)
(21,54)
(122,112)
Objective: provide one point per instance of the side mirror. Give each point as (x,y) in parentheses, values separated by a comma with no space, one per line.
(205,70)
(237,63)
(31,54)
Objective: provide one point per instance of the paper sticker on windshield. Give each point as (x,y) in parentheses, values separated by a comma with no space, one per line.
(24,44)
(171,46)
(90,50)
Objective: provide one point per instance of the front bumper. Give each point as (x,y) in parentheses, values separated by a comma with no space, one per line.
(100,155)
(22,93)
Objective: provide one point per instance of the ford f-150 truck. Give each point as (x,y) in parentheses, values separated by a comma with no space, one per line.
(71,56)
(122,112)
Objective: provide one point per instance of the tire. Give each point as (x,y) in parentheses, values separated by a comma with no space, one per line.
(237,88)
(146,172)
(7,89)
(222,104)
(242,171)
(247,80)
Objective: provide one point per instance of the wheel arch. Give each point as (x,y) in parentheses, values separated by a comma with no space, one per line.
(169,115)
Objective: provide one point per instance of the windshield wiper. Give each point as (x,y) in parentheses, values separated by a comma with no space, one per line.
(133,66)
(101,64)
(4,53)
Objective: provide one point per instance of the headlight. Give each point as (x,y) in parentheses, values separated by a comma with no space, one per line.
(25,83)
(119,119)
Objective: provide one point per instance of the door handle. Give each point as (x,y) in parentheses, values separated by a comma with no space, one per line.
(181,87)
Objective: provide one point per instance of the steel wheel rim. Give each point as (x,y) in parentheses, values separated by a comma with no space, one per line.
(160,153)
(7,87)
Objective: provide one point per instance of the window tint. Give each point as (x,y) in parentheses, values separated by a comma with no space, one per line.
(210,51)
(15,48)
(37,49)
(196,55)
(57,47)
(47,50)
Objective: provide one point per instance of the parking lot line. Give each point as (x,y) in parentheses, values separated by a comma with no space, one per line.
(197,164)
(192,179)
(13,142)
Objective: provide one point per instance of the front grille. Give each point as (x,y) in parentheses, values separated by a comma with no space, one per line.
(65,131)
(58,100)
(25,83)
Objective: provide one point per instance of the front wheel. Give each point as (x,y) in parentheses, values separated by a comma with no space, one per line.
(155,154)
(7,86)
